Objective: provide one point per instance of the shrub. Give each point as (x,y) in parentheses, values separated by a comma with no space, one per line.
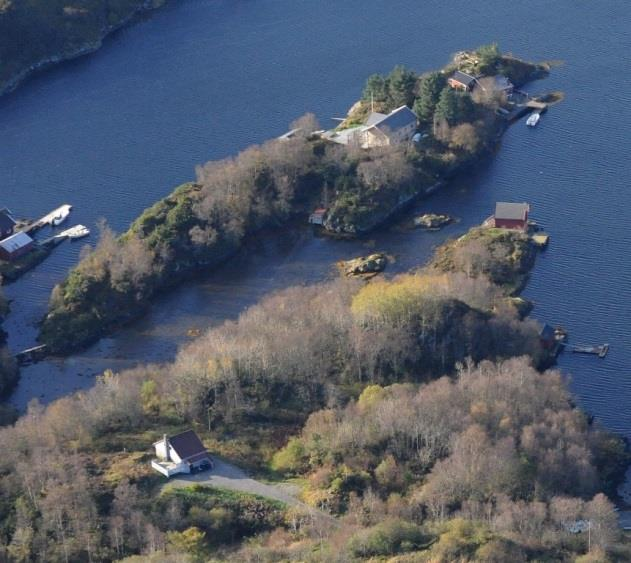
(386,538)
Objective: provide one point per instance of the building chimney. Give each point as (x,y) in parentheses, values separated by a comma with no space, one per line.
(165,439)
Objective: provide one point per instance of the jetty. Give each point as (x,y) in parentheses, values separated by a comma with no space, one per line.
(600,351)
(48,219)
(30,355)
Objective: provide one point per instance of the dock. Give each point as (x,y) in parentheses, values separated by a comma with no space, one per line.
(47,219)
(30,355)
(523,103)
(600,351)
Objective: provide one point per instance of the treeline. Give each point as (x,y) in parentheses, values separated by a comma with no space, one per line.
(34,32)
(495,464)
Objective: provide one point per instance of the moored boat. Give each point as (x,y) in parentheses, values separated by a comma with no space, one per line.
(533,119)
(60,216)
(76,232)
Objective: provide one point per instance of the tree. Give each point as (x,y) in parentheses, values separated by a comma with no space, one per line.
(488,56)
(376,88)
(308,123)
(454,107)
(464,136)
(191,541)
(401,83)
(431,87)
(447,107)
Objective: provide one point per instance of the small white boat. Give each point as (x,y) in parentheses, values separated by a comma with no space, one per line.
(76,232)
(533,119)
(61,215)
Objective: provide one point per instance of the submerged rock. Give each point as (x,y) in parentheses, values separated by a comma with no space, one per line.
(372,264)
(432,221)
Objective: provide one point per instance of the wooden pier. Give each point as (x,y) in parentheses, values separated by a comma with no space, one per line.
(46,219)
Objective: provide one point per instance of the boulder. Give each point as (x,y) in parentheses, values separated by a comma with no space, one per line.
(432,221)
(372,264)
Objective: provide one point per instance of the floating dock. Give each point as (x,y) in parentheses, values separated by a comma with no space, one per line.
(600,351)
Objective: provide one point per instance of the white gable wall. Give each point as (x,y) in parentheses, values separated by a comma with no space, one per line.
(162,454)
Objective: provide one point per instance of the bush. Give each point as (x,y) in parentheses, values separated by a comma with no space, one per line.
(292,458)
(387,538)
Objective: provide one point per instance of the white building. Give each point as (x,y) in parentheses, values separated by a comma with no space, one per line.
(380,130)
(182,453)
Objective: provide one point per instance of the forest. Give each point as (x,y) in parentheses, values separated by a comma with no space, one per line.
(409,413)
(203,223)
(34,32)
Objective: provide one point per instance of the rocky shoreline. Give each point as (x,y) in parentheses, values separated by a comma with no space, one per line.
(12,83)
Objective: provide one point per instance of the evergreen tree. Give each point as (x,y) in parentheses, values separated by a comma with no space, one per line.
(401,83)
(454,107)
(431,87)
(489,56)
(447,106)
(376,88)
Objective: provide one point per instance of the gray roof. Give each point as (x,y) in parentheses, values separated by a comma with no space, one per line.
(374,117)
(6,221)
(463,78)
(187,444)
(397,119)
(15,242)
(518,211)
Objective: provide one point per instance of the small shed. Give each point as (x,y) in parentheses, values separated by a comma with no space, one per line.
(15,246)
(7,223)
(317,217)
(461,81)
(182,453)
(511,216)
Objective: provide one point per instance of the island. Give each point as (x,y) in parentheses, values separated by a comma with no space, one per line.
(40,33)
(439,126)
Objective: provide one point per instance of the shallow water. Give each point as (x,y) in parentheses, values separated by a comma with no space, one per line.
(201,79)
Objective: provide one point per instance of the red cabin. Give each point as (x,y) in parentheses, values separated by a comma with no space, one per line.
(511,216)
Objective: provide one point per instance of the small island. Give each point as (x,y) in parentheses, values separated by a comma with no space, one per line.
(406,137)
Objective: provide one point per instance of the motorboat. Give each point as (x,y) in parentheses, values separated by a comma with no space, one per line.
(533,119)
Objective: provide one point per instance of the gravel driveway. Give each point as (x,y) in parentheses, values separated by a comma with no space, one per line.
(228,476)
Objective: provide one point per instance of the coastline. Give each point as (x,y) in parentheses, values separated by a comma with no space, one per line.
(16,80)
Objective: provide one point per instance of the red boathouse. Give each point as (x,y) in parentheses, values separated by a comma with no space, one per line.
(511,216)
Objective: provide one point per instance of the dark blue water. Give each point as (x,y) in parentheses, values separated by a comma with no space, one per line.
(201,79)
